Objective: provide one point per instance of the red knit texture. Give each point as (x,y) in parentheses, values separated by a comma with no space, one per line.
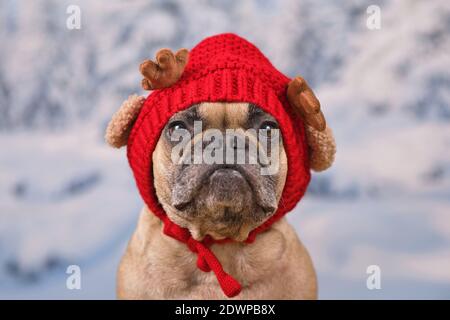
(222,68)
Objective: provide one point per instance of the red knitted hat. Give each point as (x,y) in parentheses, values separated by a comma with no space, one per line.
(220,68)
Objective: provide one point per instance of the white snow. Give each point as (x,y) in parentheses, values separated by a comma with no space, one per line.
(66,198)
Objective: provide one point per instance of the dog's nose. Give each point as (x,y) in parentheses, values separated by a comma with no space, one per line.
(228,188)
(269,208)
(179,204)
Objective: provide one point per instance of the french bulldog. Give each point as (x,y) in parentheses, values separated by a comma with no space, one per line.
(218,200)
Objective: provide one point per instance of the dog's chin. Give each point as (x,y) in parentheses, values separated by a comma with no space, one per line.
(199,230)
(225,206)
(239,235)
(218,228)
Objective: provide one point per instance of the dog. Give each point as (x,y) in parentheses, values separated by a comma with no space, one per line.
(218,206)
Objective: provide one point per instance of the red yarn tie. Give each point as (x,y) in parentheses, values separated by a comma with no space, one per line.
(206,260)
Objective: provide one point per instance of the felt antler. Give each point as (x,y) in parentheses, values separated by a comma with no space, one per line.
(319,136)
(304,101)
(165,71)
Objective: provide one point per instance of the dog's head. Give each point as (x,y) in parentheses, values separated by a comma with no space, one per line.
(224,194)
(219,168)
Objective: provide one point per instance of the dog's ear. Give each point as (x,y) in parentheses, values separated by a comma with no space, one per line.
(119,127)
(322,146)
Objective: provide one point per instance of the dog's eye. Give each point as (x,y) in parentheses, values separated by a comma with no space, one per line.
(176,125)
(266,128)
(268,125)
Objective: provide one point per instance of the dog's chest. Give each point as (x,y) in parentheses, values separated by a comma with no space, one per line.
(250,264)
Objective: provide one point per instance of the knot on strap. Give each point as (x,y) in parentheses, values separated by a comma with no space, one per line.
(202,264)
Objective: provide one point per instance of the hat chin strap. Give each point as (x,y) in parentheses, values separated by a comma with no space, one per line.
(206,260)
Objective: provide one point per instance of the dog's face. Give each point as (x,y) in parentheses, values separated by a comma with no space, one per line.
(223,199)
(210,197)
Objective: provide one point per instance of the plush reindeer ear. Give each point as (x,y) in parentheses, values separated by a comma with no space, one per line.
(165,70)
(320,138)
(119,127)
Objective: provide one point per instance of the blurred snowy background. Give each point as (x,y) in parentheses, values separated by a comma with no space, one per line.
(66,198)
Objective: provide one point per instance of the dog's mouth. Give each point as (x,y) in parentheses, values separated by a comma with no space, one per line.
(224,197)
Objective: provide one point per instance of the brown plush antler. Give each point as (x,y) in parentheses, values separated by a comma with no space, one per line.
(167,69)
(305,102)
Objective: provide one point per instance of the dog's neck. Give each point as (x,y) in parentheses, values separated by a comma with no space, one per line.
(158,266)
(269,246)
